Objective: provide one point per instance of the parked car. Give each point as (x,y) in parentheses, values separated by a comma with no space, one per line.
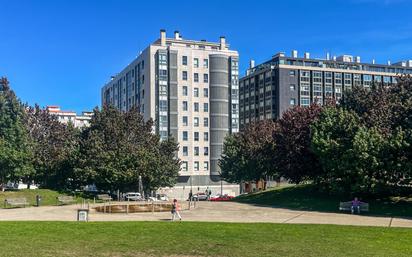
(158,198)
(224,197)
(200,197)
(133,196)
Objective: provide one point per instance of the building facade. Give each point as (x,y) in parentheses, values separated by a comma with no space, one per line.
(269,89)
(78,121)
(190,89)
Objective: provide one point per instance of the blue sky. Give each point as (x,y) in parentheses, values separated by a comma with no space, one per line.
(62,51)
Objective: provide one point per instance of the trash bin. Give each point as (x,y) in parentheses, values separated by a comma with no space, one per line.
(83,214)
(38,200)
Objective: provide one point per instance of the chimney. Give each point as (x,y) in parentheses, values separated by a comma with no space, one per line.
(389,62)
(294,53)
(409,63)
(177,35)
(163,37)
(252,64)
(373,61)
(327,56)
(222,43)
(307,55)
(358,59)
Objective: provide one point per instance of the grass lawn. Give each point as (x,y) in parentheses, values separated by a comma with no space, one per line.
(48,196)
(199,239)
(305,197)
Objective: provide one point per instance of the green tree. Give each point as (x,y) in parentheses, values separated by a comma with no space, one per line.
(15,154)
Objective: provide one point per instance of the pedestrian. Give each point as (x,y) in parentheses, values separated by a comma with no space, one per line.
(175,210)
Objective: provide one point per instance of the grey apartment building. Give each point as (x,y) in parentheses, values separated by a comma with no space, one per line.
(191,89)
(272,87)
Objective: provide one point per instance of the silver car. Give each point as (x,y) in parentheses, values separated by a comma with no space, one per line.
(133,196)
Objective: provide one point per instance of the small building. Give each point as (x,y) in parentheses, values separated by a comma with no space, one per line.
(78,121)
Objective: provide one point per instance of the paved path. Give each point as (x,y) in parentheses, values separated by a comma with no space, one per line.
(210,211)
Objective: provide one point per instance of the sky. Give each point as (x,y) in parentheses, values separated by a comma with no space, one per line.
(61,52)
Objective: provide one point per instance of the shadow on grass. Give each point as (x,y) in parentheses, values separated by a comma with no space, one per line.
(308,198)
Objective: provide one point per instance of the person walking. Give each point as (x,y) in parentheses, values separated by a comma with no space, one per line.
(175,210)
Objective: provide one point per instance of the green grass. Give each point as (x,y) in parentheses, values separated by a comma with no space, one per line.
(48,196)
(199,239)
(305,197)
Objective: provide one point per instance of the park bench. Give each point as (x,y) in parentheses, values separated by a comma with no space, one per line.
(64,199)
(104,197)
(14,202)
(346,206)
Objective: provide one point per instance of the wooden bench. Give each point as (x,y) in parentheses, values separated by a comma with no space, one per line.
(64,199)
(14,202)
(347,206)
(104,197)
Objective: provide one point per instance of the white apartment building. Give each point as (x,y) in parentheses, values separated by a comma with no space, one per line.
(190,88)
(78,121)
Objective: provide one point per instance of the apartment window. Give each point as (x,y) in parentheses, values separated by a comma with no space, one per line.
(185,121)
(205,63)
(196,92)
(206,136)
(206,78)
(185,151)
(304,101)
(184,60)
(292,87)
(206,107)
(196,77)
(292,73)
(143,65)
(184,75)
(196,166)
(196,122)
(196,63)
(206,122)
(196,107)
(205,92)
(196,136)
(185,106)
(206,151)
(184,90)
(184,166)
(205,166)
(163,105)
(196,151)
(292,101)
(185,135)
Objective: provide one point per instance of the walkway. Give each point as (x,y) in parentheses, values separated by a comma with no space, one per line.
(210,211)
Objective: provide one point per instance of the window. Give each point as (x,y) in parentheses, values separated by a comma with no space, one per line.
(206,78)
(292,73)
(206,136)
(184,166)
(292,101)
(184,90)
(143,66)
(185,106)
(292,87)
(206,151)
(196,122)
(184,75)
(205,165)
(196,136)
(184,60)
(205,92)
(304,101)
(196,166)
(185,151)
(163,105)
(205,63)
(206,122)
(185,136)
(196,63)
(206,107)
(196,107)
(196,151)
(185,121)
(196,92)
(196,77)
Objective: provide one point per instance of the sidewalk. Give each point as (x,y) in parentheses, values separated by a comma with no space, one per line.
(209,211)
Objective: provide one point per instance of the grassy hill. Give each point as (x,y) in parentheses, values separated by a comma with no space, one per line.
(305,197)
(48,196)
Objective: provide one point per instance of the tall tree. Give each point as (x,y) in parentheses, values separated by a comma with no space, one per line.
(15,154)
